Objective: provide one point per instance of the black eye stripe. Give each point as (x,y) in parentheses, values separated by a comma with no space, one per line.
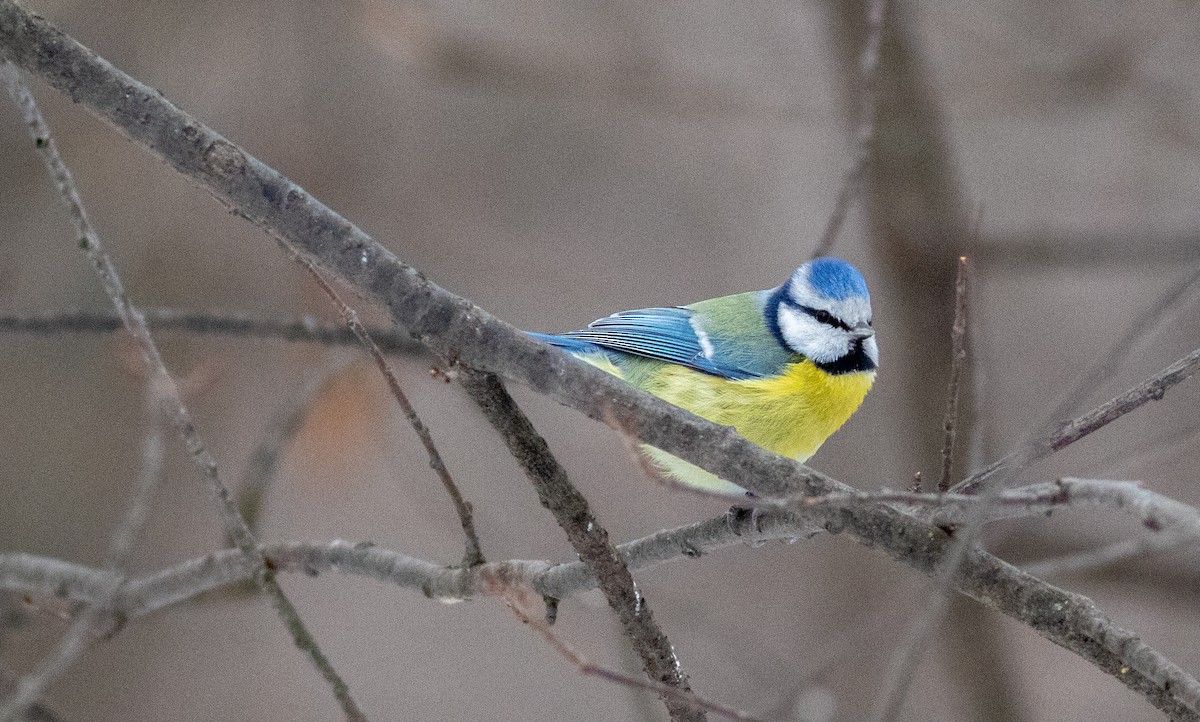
(819,315)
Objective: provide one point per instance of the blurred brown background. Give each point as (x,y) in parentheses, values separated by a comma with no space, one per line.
(556,161)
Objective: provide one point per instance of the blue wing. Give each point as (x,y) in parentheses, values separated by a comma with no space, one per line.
(665,334)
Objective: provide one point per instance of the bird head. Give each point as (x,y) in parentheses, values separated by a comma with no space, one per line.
(823,312)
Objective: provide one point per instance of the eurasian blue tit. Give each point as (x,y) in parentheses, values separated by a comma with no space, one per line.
(786,367)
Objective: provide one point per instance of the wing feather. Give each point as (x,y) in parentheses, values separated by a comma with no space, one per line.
(665,334)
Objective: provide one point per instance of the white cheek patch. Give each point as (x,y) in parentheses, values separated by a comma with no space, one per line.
(805,335)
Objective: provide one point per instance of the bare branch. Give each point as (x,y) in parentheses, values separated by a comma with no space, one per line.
(1171,540)
(167,393)
(29,688)
(1152,389)
(590,539)
(474,553)
(1069,620)
(516,596)
(307,329)
(1155,511)
(864,134)
(1033,449)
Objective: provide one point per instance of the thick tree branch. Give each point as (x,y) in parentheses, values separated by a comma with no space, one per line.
(457,329)
(573,513)
(450,325)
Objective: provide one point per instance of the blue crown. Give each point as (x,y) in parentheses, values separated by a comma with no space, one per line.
(835,279)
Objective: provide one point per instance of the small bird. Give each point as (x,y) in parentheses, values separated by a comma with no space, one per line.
(786,367)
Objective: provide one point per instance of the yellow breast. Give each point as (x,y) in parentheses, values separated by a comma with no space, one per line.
(791,414)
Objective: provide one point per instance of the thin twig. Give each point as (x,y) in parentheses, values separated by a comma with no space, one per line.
(36,712)
(906,657)
(1115,553)
(1155,511)
(284,424)
(573,513)
(25,692)
(1176,525)
(958,357)
(516,596)
(1152,389)
(166,389)
(474,553)
(149,478)
(864,134)
(1034,448)
(29,688)
(1105,367)
(307,329)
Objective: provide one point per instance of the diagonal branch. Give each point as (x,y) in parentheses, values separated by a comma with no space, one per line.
(573,513)
(449,324)
(473,554)
(1152,389)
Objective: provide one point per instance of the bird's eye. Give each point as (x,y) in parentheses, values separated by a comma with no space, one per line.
(825,317)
